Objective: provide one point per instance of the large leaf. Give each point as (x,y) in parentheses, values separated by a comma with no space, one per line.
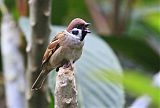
(97,56)
(144,38)
(151,21)
(145,21)
(138,50)
(137,84)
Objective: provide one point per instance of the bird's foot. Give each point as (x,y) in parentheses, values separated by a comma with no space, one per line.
(68,65)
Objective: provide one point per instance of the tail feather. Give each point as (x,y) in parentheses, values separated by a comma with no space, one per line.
(39,81)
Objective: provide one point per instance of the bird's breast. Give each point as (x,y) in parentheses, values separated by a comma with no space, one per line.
(73,53)
(70,49)
(73,41)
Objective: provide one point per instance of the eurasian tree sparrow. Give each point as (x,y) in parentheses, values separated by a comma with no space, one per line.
(63,50)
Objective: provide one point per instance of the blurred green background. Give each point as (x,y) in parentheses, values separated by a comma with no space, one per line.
(131,28)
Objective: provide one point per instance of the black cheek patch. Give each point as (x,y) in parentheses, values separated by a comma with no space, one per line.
(75,32)
(84,33)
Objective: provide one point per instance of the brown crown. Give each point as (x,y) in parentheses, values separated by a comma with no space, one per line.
(74,23)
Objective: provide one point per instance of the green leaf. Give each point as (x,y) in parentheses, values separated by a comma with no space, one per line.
(135,83)
(145,22)
(77,8)
(51,105)
(152,22)
(97,55)
(138,50)
(58,17)
(68,9)
(145,3)
(11,6)
(145,26)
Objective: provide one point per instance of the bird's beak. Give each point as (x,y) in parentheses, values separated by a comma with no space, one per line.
(87,30)
(87,24)
(86,27)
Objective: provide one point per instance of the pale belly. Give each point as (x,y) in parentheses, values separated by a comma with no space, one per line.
(64,54)
(69,51)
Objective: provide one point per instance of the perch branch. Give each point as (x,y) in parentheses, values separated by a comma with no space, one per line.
(66,90)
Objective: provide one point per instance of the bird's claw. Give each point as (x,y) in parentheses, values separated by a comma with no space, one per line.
(67,65)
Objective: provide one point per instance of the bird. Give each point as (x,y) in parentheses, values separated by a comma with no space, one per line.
(63,50)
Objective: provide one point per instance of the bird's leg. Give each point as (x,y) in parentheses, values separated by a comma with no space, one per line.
(72,63)
(67,64)
(63,62)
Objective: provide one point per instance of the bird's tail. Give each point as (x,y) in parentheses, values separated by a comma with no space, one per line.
(39,81)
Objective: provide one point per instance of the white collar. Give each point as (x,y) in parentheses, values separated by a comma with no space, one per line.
(70,34)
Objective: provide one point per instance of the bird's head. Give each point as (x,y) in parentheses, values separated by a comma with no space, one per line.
(79,28)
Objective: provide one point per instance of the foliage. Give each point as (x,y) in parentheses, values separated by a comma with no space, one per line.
(134,82)
(68,9)
(152,23)
(134,42)
(11,6)
(136,49)
(139,41)
(58,17)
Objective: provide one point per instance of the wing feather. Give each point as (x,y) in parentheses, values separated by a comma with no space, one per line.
(52,47)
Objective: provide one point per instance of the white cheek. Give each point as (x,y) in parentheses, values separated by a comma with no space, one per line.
(80,34)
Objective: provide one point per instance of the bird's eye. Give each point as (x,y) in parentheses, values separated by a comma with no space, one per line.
(79,26)
(75,32)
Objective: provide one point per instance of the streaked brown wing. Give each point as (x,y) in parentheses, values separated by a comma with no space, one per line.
(52,47)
